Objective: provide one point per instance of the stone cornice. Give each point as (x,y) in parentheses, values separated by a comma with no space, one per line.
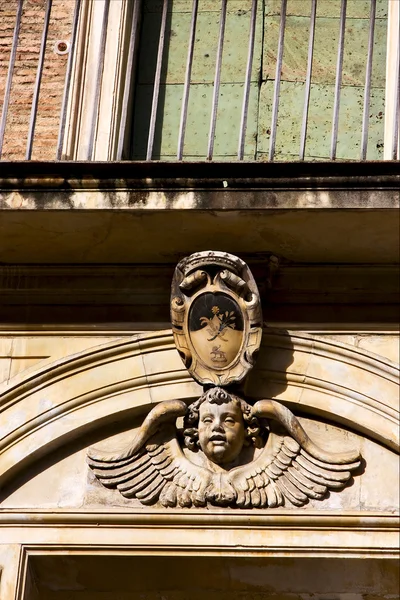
(281,533)
(98,175)
(286,519)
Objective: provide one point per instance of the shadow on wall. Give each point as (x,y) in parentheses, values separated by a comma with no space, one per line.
(269,378)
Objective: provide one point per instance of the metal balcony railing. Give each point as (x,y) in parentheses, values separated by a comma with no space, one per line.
(39,57)
(21,45)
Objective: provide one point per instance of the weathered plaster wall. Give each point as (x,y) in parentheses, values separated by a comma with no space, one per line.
(293,79)
(22,351)
(9,570)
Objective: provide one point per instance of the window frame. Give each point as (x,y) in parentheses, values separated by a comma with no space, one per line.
(94,115)
(392,67)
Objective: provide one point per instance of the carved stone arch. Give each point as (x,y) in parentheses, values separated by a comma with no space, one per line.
(336,381)
(70,397)
(42,410)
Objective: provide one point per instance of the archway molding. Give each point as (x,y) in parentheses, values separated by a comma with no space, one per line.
(42,410)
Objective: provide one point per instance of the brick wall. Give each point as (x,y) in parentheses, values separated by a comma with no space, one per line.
(25,73)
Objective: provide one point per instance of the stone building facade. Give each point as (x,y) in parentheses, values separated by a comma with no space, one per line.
(88,250)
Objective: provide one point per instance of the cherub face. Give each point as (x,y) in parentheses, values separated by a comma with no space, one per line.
(221,431)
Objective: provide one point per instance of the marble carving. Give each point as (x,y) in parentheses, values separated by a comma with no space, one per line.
(229,452)
(216,317)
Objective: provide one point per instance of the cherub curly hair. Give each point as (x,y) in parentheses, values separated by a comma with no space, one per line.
(217,395)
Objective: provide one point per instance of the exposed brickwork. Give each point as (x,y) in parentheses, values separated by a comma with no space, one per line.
(25,73)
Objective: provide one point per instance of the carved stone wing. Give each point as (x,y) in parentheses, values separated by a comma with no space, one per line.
(285,471)
(288,469)
(156,468)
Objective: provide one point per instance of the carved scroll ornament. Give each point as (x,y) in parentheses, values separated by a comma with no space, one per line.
(228,453)
(216,317)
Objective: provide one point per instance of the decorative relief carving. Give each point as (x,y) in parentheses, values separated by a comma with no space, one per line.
(228,452)
(216,317)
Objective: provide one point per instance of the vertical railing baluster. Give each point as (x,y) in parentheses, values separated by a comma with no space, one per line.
(367,87)
(157,80)
(99,76)
(396,108)
(38,81)
(277,85)
(186,88)
(338,82)
(68,77)
(217,81)
(246,93)
(10,73)
(304,124)
(130,69)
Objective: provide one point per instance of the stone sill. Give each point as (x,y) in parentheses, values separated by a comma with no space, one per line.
(160,186)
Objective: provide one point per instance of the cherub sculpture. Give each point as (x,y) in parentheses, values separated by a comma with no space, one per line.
(228,454)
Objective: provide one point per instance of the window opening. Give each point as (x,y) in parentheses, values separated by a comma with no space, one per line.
(261,80)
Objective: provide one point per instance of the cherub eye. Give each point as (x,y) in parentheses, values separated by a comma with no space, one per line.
(207,420)
(230,421)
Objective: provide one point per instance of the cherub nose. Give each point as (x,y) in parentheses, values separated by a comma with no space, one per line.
(217,426)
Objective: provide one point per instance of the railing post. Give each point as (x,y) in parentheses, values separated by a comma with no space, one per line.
(68,76)
(392,141)
(10,73)
(39,73)
(130,77)
(277,85)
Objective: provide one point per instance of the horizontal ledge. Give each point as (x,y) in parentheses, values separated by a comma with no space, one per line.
(141,285)
(246,519)
(248,551)
(122,329)
(220,175)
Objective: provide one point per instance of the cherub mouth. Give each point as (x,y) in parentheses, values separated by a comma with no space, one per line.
(218,438)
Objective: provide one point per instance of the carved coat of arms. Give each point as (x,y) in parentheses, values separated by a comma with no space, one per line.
(229,452)
(216,317)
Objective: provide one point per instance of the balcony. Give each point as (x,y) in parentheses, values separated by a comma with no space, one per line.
(200,80)
(134,133)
